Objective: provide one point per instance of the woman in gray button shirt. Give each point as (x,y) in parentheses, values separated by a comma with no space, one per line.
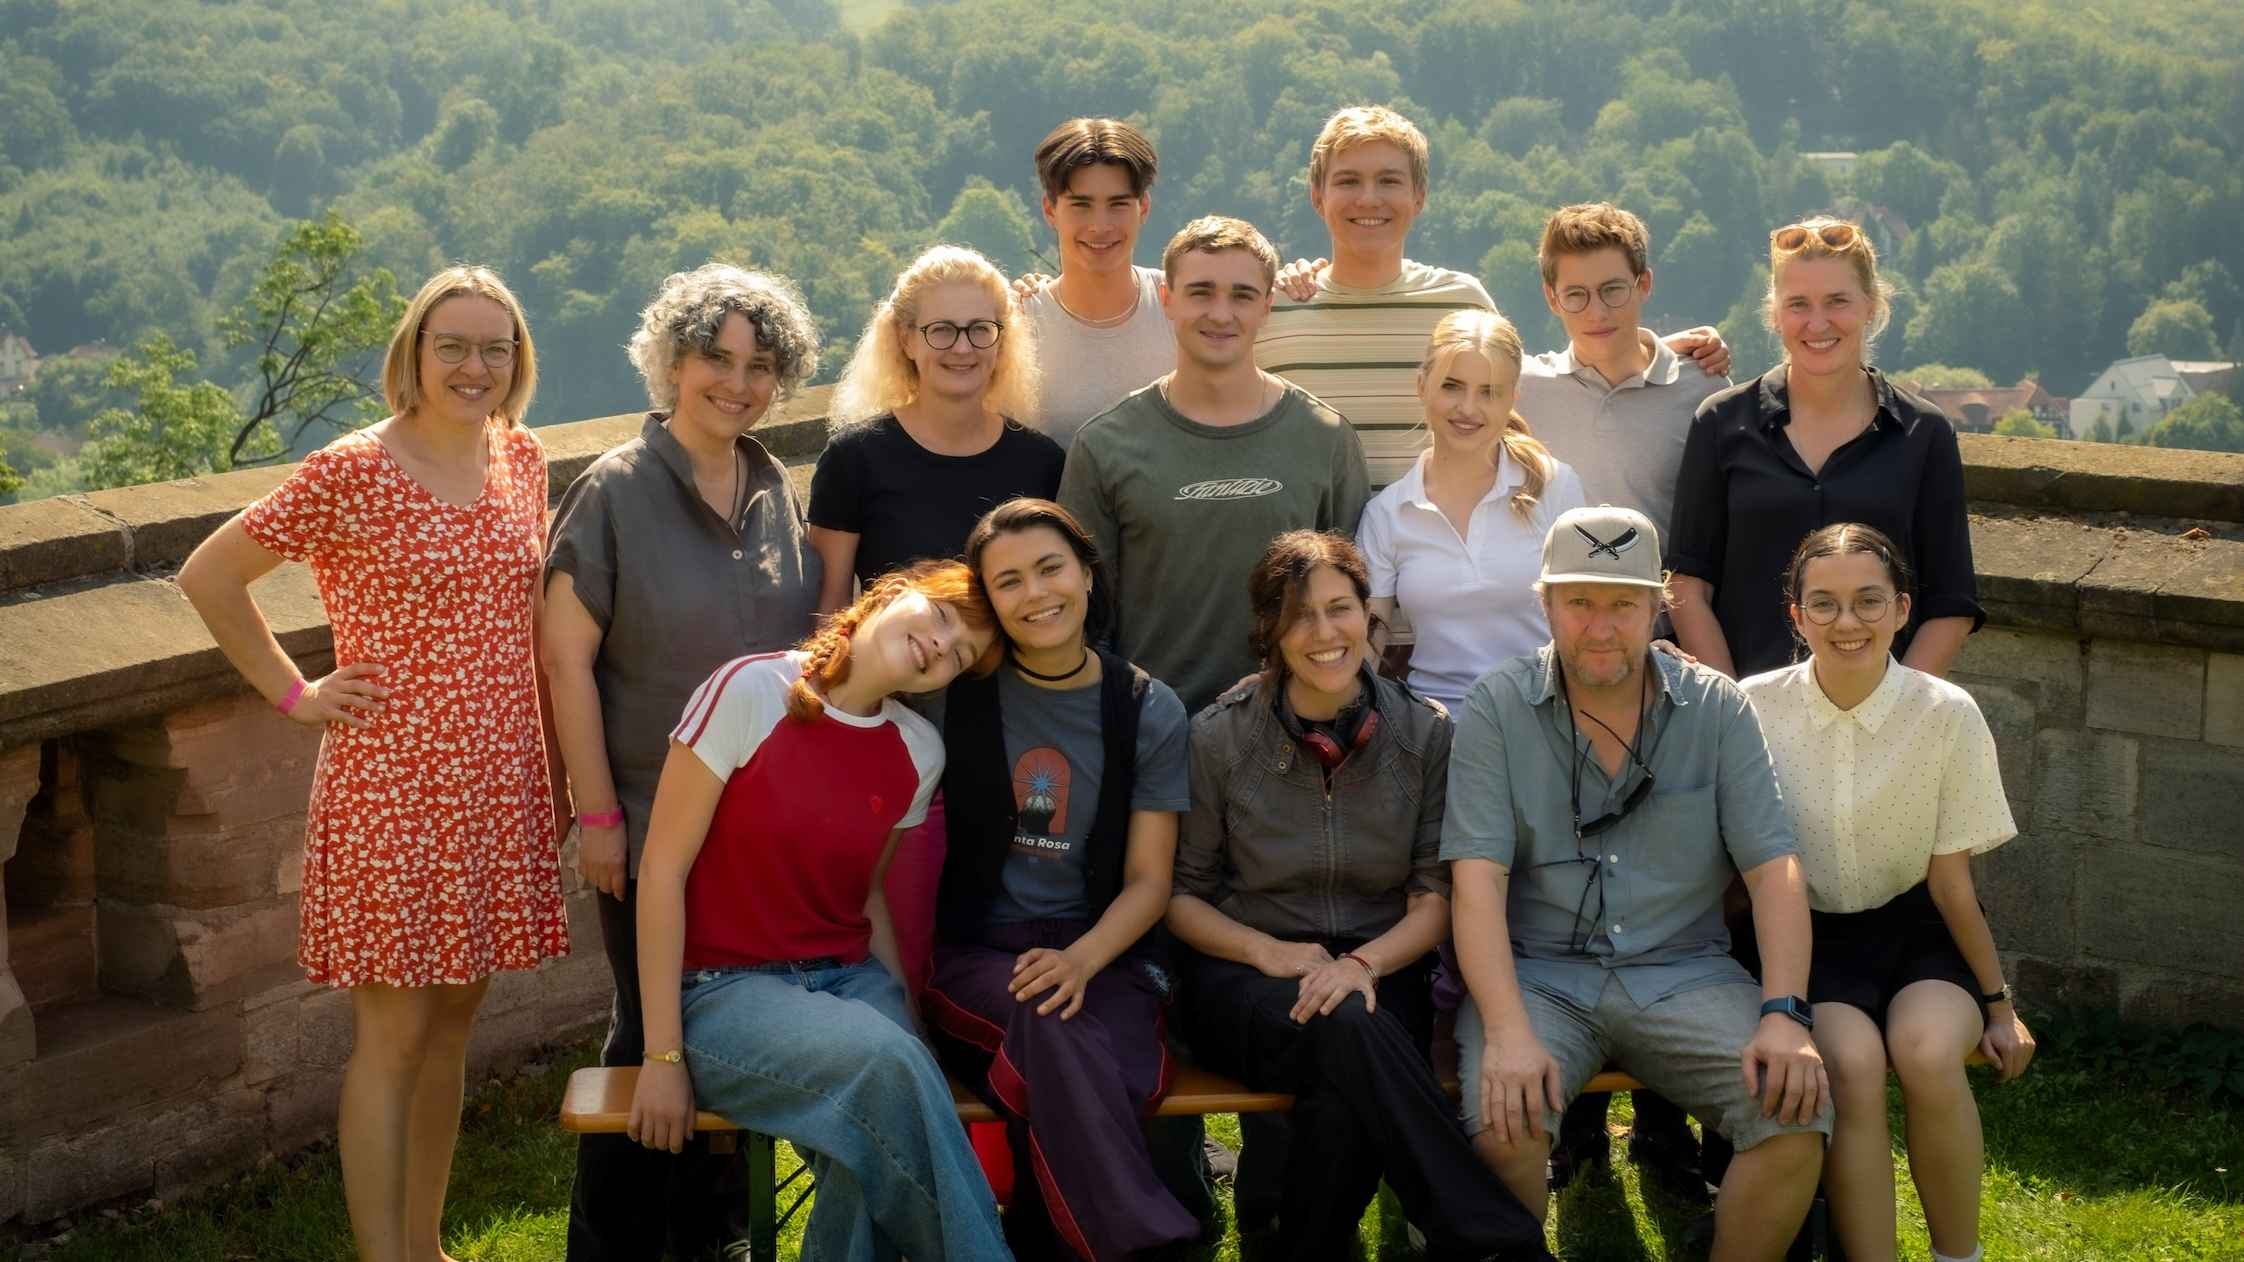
(1310,888)
(674,553)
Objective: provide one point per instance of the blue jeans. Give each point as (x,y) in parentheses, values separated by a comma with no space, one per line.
(825,1058)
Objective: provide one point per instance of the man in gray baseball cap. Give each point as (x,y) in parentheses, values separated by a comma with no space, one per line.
(1600,795)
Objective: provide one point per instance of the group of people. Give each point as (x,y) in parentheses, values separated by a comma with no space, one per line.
(1266,666)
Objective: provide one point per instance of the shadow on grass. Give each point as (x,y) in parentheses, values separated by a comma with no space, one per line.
(2058,1127)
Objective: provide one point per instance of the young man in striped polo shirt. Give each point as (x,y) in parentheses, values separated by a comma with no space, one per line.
(1352,331)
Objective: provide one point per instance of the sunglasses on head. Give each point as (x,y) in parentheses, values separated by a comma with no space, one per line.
(1837,236)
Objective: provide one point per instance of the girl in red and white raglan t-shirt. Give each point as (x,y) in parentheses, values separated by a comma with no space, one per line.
(768,971)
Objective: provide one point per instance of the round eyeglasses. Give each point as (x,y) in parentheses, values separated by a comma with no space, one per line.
(943,334)
(1614,294)
(1824,610)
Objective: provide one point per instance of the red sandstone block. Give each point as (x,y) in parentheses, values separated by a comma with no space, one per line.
(300,1107)
(18,1036)
(195,869)
(51,952)
(194,959)
(117,1058)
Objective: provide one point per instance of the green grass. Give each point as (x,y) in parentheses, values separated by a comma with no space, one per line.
(2078,1169)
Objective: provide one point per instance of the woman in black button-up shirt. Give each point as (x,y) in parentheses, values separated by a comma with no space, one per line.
(1821,438)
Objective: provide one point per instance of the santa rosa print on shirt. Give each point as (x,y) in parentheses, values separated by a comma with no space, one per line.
(1040,791)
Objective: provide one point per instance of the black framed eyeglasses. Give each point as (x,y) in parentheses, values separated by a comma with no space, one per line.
(943,334)
(1824,610)
(1613,294)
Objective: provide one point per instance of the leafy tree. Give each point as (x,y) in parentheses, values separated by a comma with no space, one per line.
(176,429)
(317,321)
(2178,328)
(2209,422)
(2020,423)
(1972,315)
(1944,377)
(2101,431)
(10,482)
(993,221)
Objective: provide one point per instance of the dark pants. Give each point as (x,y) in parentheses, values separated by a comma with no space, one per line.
(1074,1094)
(632,1202)
(1366,1108)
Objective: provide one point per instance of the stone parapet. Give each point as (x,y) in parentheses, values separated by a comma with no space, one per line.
(155,1029)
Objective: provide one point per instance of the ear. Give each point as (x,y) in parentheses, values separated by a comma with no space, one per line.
(1051,209)
(1145,207)
(1901,611)
(1550,299)
(1317,197)
(1644,283)
(1799,621)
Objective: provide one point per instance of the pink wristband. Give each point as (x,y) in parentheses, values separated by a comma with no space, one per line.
(295,694)
(609,818)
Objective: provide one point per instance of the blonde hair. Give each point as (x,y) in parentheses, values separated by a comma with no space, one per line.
(1858,253)
(881,378)
(1211,234)
(401,363)
(1363,124)
(826,652)
(1474,330)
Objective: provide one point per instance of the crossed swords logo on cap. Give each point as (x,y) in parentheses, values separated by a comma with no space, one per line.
(1621,542)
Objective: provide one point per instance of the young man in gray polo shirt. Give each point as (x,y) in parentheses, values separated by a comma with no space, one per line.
(1617,402)
(1600,795)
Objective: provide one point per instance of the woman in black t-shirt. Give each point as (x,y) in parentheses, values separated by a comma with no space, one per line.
(1821,438)
(927,442)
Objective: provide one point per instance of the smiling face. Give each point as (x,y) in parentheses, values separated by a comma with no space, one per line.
(1368,200)
(728,387)
(1601,630)
(961,370)
(1590,279)
(1468,399)
(1822,314)
(1325,646)
(915,645)
(1216,303)
(1854,591)
(1097,219)
(464,393)
(1040,588)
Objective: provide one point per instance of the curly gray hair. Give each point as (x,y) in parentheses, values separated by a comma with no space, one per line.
(691,306)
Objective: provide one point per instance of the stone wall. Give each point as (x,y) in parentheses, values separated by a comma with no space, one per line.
(155,1030)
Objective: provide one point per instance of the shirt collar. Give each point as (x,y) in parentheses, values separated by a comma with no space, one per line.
(1509,477)
(1870,713)
(1773,394)
(672,453)
(1665,368)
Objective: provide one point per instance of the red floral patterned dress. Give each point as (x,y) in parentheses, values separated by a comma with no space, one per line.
(429,855)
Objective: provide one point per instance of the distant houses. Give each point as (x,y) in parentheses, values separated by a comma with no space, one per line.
(2136,393)
(1975,409)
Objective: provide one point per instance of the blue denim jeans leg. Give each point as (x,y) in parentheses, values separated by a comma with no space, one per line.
(825,1058)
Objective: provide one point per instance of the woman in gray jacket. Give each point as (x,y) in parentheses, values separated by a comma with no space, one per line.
(1311,894)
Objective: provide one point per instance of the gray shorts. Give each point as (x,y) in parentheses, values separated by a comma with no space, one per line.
(1686,1047)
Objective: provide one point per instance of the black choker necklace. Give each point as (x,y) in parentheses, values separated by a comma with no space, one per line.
(1069,673)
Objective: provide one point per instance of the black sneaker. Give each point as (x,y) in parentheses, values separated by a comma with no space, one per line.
(1568,1158)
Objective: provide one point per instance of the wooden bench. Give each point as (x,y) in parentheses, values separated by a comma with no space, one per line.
(598,1102)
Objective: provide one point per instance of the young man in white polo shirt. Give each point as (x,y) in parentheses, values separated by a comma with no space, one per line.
(1099,327)
(1352,330)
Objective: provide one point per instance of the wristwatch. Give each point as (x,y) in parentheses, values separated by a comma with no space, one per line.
(675,1056)
(1791,1006)
(2001,995)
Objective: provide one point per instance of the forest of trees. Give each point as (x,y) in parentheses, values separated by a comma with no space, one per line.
(2054,186)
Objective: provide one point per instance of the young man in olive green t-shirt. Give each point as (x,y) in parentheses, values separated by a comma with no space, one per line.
(1184,483)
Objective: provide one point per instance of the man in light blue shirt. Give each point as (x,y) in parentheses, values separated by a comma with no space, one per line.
(1601,795)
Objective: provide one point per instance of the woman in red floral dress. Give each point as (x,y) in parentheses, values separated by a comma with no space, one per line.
(429,857)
